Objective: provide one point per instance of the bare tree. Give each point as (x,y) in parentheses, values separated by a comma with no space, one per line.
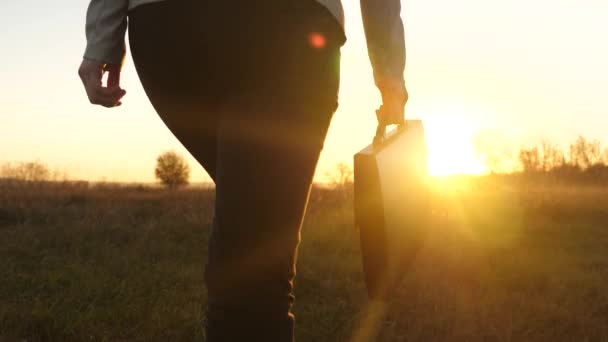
(530,160)
(584,153)
(552,156)
(34,171)
(605,156)
(172,170)
(343,175)
(494,148)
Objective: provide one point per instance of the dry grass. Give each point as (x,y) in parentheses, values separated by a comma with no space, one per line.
(505,261)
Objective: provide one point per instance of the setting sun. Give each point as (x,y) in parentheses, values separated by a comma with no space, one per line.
(450,149)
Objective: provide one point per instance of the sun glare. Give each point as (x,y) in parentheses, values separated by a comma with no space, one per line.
(450,149)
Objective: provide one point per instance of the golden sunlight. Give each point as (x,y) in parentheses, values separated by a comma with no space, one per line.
(450,149)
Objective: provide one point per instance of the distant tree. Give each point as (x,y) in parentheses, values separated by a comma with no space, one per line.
(494,149)
(530,160)
(552,156)
(172,170)
(343,175)
(35,171)
(584,153)
(605,156)
(6,171)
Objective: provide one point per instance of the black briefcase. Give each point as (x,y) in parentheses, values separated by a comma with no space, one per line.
(392,206)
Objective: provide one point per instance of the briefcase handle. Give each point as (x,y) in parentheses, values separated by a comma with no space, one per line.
(380,134)
(380,138)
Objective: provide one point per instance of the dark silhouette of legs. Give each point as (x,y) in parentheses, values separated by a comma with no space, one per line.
(250,95)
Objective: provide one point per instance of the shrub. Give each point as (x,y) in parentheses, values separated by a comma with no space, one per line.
(172,170)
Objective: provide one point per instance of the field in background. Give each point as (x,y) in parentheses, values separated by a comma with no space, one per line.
(506,260)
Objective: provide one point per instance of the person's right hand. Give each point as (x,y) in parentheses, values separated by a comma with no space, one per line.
(394,98)
(91,73)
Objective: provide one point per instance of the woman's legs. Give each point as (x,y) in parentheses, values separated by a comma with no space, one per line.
(251,98)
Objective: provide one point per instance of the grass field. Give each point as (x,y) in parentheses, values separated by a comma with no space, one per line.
(505,261)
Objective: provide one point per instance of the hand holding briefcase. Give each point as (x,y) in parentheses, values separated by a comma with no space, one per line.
(391,204)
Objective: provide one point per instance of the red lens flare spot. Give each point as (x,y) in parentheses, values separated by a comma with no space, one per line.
(317,40)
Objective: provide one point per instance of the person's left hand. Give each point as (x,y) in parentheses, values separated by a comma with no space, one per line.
(91,73)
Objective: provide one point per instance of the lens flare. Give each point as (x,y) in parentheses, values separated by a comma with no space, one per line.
(317,40)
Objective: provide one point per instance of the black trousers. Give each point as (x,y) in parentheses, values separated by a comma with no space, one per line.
(249,88)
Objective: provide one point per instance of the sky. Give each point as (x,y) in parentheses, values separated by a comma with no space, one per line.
(518,70)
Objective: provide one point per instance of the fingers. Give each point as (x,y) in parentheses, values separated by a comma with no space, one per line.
(394,97)
(390,115)
(107,97)
(392,110)
(113,75)
(91,74)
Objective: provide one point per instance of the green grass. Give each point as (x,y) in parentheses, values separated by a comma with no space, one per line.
(504,261)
